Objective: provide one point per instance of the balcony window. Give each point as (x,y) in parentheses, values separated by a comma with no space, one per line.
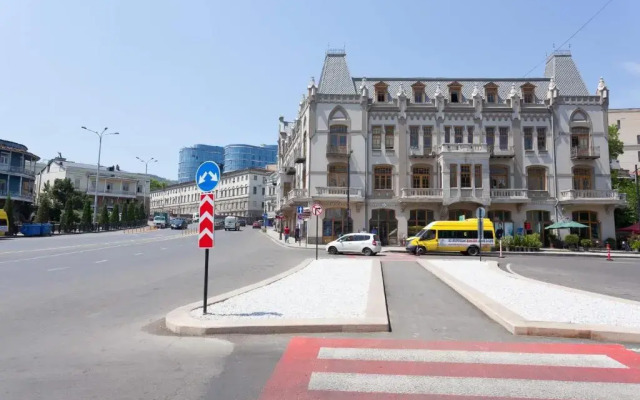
(457,134)
(376,138)
(447,134)
(420,178)
(125,186)
(580,138)
(491,133)
(478,176)
(542,139)
(426,138)
(499,176)
(528,138)
(504,138)
(337,138)
(465,175)
(589,218)
(453,175)
(582,178)
(469,134)
(414,137)
(337,175)
(389,138)
(536,178)
(382,177)
(4,157)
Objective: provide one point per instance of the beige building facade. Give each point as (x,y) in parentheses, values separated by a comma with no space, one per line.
(628,122)
(398,153)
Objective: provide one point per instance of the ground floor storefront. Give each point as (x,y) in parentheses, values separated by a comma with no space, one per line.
(394,222)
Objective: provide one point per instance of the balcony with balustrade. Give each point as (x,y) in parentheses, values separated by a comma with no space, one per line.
(509,196)
(473,195)
(420,153)
(575,196)
(339,193)
(463,148)
(337,151)
(502,151)
(112,192)
(420,195)
(17,195)
(296,196)
(17,170)
(585,153)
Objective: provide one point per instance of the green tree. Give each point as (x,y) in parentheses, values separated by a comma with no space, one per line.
(69,217)
(132,213)
(44,209)
(8,208)
(156,184)
(86,214)
(628,215)
(142,214)
(616,146)
(125,213)
(114,220)
(104,216)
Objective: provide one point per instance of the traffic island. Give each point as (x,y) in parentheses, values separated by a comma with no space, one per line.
(526,306)
(316,296)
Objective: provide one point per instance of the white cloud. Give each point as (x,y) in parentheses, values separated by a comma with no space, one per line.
(632,67)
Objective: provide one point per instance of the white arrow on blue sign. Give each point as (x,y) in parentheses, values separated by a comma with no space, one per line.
(207,176)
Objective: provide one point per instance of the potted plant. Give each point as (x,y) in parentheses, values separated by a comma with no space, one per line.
(586,243)
(635,245)
(507,242)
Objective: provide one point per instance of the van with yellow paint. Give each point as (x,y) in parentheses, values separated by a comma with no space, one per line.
(4,223)
(458,236)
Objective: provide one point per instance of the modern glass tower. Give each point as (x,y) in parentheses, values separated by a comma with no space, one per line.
(192,157)
(242,156)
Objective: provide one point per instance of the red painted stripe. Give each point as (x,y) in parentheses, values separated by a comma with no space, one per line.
(205,242)
(329,395)
(507,371)
(206,223)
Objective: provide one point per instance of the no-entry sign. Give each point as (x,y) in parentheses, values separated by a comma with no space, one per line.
(205,238)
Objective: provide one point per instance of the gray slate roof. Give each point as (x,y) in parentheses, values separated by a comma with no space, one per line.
(335,77)
(504,86)
(560,65)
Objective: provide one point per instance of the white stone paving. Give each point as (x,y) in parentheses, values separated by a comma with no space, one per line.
(330,288)
(538,301)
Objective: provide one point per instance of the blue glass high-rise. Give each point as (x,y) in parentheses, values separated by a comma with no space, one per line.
(192,157)
(243,156)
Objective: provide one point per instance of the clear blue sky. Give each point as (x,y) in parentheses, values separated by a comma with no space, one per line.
(167,74)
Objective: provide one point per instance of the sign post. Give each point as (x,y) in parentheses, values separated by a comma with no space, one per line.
(207,178)
(480,213)
(316,209)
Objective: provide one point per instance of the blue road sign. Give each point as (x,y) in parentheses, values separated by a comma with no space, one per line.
(300,209)
(264,216)
(207,176)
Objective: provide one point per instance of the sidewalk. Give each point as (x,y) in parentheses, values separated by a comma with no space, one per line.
(275,236)
(543,252)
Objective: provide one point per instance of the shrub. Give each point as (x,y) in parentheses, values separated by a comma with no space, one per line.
(572,240)
(44,208)
(611,242)
(586,243)
(635,245)
(518,241)
(533,241)
(507,241)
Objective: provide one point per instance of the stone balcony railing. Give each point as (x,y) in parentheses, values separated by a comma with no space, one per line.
(337,151)
(502,151)
(415,152)
(421,193)
(464,148)
(16,170)
(592,195)
(339,192)
(477,195)
(112,192)
(297,194)
(538,194)
(509,194)
(582,153)
(21,195)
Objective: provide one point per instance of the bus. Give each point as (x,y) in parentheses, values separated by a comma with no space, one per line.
(453,236)
(4,223)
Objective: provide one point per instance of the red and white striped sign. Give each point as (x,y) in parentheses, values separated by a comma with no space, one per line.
(315,368)
(205,238)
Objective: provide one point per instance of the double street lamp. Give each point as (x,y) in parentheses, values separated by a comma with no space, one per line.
(144,187)
(95,199)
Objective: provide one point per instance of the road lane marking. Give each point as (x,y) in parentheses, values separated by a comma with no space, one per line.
(101,261)
(57,269)
(138,254)
(163,248)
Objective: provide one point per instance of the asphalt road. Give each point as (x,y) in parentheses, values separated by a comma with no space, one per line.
(82,316)
(619,278)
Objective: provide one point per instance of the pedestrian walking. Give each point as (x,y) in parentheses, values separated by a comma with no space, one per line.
(287,231)
(296,234)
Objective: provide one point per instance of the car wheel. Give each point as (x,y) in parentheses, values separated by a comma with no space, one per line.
(473,251)
(367,252)
(333,250)
(420,251)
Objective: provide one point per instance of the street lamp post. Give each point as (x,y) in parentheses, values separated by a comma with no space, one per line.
(637,195)
(348,190)
(144,186)
(95,199)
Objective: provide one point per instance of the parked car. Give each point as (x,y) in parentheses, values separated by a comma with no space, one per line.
(256,225)
(178,223)
(243,222)
(362,243)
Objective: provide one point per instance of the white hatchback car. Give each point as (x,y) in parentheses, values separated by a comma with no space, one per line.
(363,243)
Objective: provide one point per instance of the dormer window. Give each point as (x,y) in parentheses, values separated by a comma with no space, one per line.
(381,92)
(528,94)
(455,92)
(418,92)
(491,92)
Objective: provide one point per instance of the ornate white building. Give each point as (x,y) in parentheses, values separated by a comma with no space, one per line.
(532,151)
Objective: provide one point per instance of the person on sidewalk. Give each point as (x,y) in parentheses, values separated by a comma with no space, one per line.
(287,231)
(296,234)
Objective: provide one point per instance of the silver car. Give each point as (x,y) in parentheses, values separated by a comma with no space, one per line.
(362,243)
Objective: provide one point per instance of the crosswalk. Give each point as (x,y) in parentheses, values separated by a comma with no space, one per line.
(368,369)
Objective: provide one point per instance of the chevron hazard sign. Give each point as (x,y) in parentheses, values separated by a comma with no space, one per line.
(205,238)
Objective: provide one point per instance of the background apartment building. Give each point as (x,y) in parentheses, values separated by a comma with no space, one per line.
(114,186)
(628,122)
(17,175)
(407,151)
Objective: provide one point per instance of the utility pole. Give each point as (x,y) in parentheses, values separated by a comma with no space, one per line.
(637,196)
(144,186)
(95,199)
(348,191)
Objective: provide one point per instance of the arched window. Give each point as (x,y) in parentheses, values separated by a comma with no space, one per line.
(421,177)
(382,175)
(536,178)
(590,219)
(418,219)
(582,178)
(337,175)
(499,175)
